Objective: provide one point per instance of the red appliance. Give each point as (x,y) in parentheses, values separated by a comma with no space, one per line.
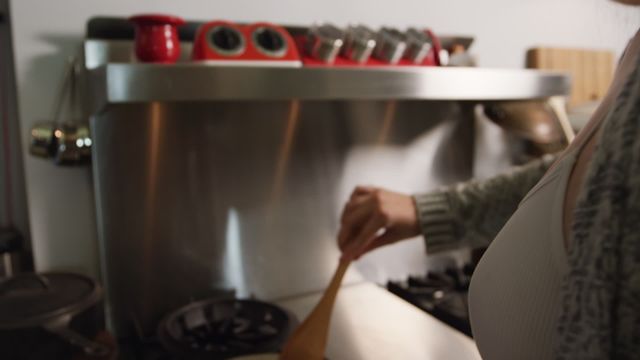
(225,42)
(156,38)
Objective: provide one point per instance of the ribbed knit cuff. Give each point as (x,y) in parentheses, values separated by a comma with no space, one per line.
(436,221)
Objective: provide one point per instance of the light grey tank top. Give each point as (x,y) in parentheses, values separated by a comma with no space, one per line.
(514,296)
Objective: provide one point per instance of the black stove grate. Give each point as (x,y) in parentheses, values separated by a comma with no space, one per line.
(214,329)
(441,294)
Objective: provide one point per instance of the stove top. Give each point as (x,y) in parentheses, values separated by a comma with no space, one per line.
(442,294)
(214,329)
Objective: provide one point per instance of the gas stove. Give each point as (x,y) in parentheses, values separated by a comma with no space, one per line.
(214,329)
(442,294)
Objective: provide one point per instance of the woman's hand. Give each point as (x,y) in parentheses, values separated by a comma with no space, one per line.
(374,217)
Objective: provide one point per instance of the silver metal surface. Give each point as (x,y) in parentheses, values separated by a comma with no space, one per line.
(122,81)
(196,197)
(359,43)
(129,83)
(418,45)
(390,45)
(369,323)
(324,42)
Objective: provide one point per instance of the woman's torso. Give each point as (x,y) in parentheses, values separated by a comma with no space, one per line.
(515,291)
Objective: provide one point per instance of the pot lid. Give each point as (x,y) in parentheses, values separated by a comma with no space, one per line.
(28,300)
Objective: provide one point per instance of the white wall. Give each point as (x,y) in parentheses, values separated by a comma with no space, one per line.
(61,200)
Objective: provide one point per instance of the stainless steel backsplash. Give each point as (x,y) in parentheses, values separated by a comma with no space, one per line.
(195,197)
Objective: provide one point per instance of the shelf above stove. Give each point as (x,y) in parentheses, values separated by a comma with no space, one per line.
(115,79)
(124,83)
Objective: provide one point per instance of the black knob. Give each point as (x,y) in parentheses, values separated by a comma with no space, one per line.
(227,40)
(270,41)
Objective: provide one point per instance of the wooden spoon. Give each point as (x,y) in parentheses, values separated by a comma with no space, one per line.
(309,340)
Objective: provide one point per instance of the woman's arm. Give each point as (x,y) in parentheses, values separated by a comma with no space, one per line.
(470,213)
(473,213)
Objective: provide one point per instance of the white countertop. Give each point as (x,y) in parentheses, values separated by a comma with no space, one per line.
(370,323)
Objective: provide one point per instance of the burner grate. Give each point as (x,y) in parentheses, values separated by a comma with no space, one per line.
(225,328)
(441,294)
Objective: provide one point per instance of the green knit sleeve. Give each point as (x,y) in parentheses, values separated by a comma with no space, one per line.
(472,213)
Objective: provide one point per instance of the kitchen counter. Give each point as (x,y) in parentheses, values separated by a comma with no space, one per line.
(370,323)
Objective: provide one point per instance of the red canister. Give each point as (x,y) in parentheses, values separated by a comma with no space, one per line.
(157,38)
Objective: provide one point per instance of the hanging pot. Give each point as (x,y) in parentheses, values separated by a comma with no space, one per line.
(66,139)
(51,316)
(68,143)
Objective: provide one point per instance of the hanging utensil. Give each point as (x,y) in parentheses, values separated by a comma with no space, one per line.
(68,142)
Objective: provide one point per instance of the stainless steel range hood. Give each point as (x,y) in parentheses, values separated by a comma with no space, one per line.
(210,177)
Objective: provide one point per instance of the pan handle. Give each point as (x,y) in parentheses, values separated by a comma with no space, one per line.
(60,327)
